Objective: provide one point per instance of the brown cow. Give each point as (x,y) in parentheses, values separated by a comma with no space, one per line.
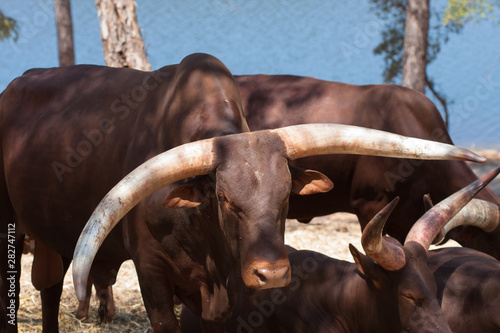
(364,184)
(391,289)
(69,134)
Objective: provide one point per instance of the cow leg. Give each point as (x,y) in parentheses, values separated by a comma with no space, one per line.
(106,304)
(160,310)
(51,298)
(158,298)
(103,276)
(104,294)
(106,309)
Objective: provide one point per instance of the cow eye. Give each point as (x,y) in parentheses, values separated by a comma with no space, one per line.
(222,197)
(410,299)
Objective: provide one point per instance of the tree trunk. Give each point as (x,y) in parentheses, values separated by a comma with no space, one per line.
(121,37)
(64,32)
(415,44)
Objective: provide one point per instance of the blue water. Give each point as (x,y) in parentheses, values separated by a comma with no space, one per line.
(331,40)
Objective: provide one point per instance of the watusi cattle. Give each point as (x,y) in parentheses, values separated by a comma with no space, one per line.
(390,289)
(68,135)
(365,184)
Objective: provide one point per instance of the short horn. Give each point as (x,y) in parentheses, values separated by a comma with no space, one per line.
(181,162)
(320,139)
(428,204)
(386,253)
(425,230)
(477,213)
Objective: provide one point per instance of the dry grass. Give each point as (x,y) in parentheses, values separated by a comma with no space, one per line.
(330,235)
(130,313)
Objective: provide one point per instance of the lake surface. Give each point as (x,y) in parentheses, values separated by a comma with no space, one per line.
(331,40)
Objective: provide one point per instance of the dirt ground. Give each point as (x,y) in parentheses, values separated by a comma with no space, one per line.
(330,235)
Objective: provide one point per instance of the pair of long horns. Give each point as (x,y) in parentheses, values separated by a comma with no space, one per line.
(391,256)
(198,158)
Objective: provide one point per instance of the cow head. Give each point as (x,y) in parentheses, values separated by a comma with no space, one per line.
(252,210)
(251,185)
(400,273)
(403,283)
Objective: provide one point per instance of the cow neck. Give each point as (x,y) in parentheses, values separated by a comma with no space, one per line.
(217,251)
(217,291)
(357,302)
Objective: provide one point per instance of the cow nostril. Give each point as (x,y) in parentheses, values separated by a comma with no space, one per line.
(286,275)
(265,275)
(262,278)
(276,276)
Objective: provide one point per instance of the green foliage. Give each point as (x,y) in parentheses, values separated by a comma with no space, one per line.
(8,27)
(460,12)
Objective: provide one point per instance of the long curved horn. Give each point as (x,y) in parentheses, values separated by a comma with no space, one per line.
(477,213)
(386,253)
(170,166)
(425,230)
(184,161)
(320,139)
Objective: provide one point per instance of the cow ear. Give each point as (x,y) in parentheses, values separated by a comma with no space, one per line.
(306,182)
(184,196)
(369,269)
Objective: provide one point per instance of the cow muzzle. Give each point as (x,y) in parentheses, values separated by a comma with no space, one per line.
(265,275)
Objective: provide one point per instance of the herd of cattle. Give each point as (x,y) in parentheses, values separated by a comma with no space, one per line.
(191,172)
